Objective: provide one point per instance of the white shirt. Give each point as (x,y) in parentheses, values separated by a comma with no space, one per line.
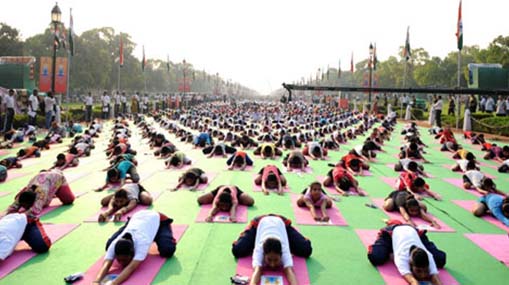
(123,99)
(89,100)
(506,162)
(404,237)
(358,149)
(33,103)
(81,146)
(9,101)
(271,227)
(49,103)
(143,227)
(475,176)
(12,228)
(405,162)
(462,164)
(490,104)
(133,191)
(117,99)
(438,105)
(106,100)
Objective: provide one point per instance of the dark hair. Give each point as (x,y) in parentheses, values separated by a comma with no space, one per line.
(21,152)
(355,162)
(418,257)
(125,245)
(488,183)
(267,150)
(27,198)
(470,156)
(413,146)
(113,173)
(418,182)
(411,202)
(471,165)
(272,245)
(505,148)
(413,166)
(73,150)
(226,197)
(238,159)
(120,193)
(295,160)
(174,160)
(60,156)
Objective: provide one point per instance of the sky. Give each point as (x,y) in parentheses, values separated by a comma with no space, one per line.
(263,43)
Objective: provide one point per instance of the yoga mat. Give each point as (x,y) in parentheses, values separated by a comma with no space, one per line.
(93,218)
(4,194)
(30,161)
(147,270)
(55,203)
(245,268)
(298,171)
(303,215)
(13,175)
(469,205)
(71,177)
(495,245)
(4,152)
(458,182)
(333,190)
(248,168)
(389,272)
(484,164)
(448,167)
(391,181)
(258,188)
(417,160)
(203,186)
(418,221)
(23,253)
(222,217)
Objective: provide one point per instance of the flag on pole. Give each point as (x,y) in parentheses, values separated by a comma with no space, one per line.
(121,52)
(339,69)
(406,51)
(168,62)
(375,59)
(143,60)
(459,29)
(351,64)
(71,31)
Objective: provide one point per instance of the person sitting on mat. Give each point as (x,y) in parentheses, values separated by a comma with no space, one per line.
(353,164)
(39,192)
(314,150)
(239,159)
(271,240)
(177,160)
(270,177)
(497,153)
(314,196)
(124,200)
(31,151)
(130,245)
(463,165)
(504,167)
(295,160)
(408,206)
(66,160)
(408,165)
(411,151)
(267,150)
(225,198)
(191,179)
(122,157)
(203,139)
(342,181)
(477,180)
(415,256)
(16,227)
(411,182)
(11,162)
(496,205)
(463,154)
(219,148)
(118,173)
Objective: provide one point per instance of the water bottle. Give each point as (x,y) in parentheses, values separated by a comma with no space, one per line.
(73,277)
(370,205)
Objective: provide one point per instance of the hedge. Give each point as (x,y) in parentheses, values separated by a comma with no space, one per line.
(76,115)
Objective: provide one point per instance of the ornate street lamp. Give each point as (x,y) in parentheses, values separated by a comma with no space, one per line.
(56,16)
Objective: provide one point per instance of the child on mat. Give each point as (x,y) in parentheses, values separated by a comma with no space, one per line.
(130,245)
(11,162)
(218,149)
(314,150)
(118,173)
(268,150)
(16,227)
(411,151)
(415,256)
(496,205)
(239,159)
(411,182)
(191,179)
(497,153)
(31,151)
(342,181)
(272,240)
(477,180)
(463,165)
(39,192)
(295,160)
(314,196)
(353,164)
(123,201)
(122,157)
(270,177)
(504,167)
(408,206)
(409,165)
(66,160)
(463,154)
(177,160)
(225,198)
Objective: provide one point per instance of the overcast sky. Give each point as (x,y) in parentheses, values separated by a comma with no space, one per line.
(263,43)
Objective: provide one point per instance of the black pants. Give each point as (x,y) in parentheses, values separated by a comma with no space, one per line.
(438,117)
(88,113)
(32,120)
(9,117)
(124,108)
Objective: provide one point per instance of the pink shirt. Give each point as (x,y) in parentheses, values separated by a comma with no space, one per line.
(233,193)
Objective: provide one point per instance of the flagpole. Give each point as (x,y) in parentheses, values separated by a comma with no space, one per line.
(68,76)
(118,80)
(404,86)
(458,103)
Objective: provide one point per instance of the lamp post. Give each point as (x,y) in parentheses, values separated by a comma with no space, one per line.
(370,67)
(56,16)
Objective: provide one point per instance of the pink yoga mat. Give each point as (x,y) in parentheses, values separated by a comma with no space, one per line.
(484,164)
(55,203)
(147,270)
(458,182)
(391,181)
(248,168)
(495,245)
(418,221)
(298,171)
(13,175)
(222,217)
(469,205)
(93,218)
(22,253)
(389,271)
(4,152)
(303,216)
(30,161)
(245,268)
(4,194)
(417,160)
(332,189)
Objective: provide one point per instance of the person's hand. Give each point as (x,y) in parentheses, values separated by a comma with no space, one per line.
(361,193)
(233,219)
(435,225)
(118,216)
(265,192)
(174,189)
(102,217)
(98,189)
(345,194)
(209,219)
(418,197)
(316,218)
(325,218)
(280,193)
(438,197)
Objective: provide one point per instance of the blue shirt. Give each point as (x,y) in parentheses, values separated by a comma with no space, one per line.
(494,203)
(202,137)
(123,167)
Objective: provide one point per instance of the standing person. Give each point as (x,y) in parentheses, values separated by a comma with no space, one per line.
(116,108)
(9,110)
(49,107)
(472,104)
(135,103)
(438,110)
(106,100)
(123,101)
(490,105)
(452,106)
(33,106)
(482,104)
(500,107)
(89,101)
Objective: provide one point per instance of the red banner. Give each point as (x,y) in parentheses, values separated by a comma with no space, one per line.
(61,78)
(343,104)
(45,74)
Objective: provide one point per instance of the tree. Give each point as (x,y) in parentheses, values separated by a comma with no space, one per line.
(10,42)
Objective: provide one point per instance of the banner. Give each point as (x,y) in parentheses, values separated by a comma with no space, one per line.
(343,104)
(45,74)
(61,78)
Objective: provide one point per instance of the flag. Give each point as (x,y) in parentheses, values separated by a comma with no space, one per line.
(339,69)
(143,61)
(168,62)
(121,52)
(375,59)
(406,51)
(71,31)
(459,29)
(351,64)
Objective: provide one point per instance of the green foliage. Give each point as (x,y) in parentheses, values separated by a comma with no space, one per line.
(10,42)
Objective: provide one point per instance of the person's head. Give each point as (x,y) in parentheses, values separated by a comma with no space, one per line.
(413,166)
(505,207)
(35,92)
(412,206)
(11,92)
(295,162)
(505,149)
(487,184)
(267,151)
(225,201)
(21,152)
(60,159)
(355,164)
(189,179)
(238,160)
(316,152)
(124,250)
(413,146)
(272,252)
(471,165)
(272,181)
(174,160)
(26,199)
(120,199)
(419,263)
(315,190)
(113,175)
(470,156)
